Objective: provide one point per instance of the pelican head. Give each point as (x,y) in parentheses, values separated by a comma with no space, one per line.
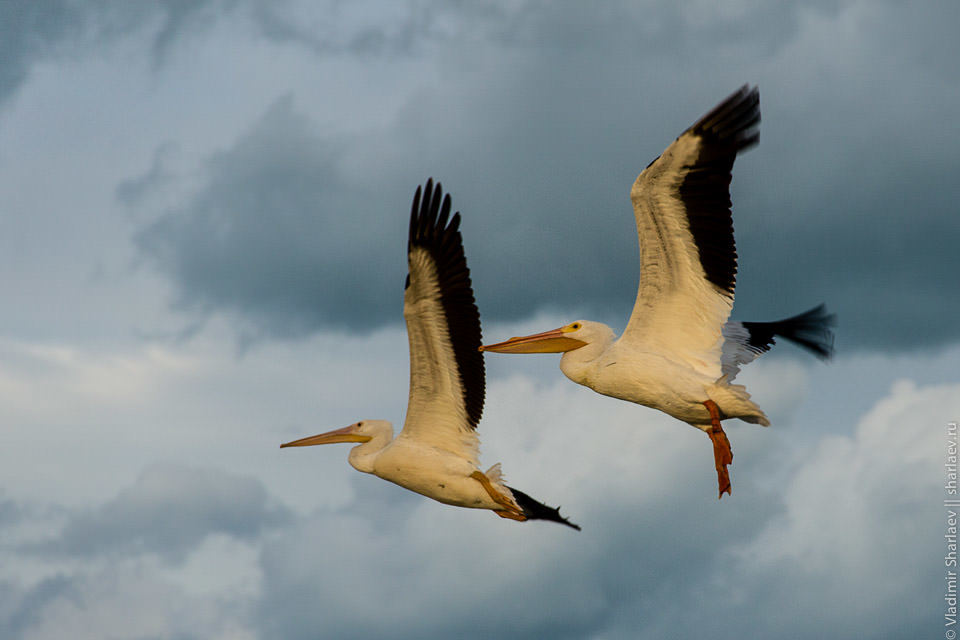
(371,436)
(575,335)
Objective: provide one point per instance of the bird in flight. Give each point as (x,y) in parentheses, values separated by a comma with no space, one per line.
(679,353)
(436,454)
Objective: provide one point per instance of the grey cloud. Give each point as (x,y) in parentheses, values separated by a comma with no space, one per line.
(643,567)
(29,30)
(848,199)
(417,569)
(823,537)
(33,31)
(180,16)
(326,36)
(357,580)
(135,190)
(823,544)
(23,608)
(116,603)
(10,512)
(169,511)
(281,236)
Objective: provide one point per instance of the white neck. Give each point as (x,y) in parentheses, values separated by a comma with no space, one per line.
(362,456)
(579,364)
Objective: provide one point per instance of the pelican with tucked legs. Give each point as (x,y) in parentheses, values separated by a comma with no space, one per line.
(679,354)
(436,453)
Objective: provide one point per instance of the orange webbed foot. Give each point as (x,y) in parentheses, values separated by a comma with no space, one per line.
(510,509)
(722,453)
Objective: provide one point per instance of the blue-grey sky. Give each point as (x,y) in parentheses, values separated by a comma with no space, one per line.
(202,246)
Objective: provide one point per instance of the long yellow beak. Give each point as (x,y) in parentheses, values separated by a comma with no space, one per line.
(555,341)
(346,434)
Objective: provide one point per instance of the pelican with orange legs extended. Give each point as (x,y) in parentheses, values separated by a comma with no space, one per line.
(679,353)
(437,452)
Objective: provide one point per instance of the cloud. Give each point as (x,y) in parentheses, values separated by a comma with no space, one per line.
(809,543)
(368,29)
(824,541)
(865,509)
(28,30)
(31,32)
(298,224)
(117,603)
(630,476)
(272,238)
(133,191)
(169,511)
(10,512)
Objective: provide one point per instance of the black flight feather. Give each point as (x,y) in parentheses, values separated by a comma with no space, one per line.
(432,228)
(728,129)
(811,329)
(537,510)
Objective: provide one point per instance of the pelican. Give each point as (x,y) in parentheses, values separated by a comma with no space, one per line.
(679,354)
(436,453)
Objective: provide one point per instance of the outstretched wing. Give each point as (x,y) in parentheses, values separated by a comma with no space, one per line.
(443,326)
(688,259)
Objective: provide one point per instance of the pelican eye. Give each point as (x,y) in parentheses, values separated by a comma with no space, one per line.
(573,327)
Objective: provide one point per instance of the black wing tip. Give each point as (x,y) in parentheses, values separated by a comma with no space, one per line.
(811,330)
(535,510)
(735,121)
(430,219)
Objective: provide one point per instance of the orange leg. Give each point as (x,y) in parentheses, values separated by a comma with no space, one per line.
(510,510)
(722,454)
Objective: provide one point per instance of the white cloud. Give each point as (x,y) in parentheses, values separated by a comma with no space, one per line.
(864,510)
(125,604)
(809,516)
(170,511)
(629,475)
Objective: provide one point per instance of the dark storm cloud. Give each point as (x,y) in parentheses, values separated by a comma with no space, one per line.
(538,127)
(169,511)
(281,236)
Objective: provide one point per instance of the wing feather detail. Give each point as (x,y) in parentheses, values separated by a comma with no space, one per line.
(744,342)
(443,327)
(688,257)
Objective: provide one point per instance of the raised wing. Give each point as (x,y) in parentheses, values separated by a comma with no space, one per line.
(443,326)
(688,259)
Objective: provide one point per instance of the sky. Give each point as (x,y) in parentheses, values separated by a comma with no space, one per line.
(202,238)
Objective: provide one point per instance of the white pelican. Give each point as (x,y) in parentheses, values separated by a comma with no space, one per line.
(436,453)
(678,353)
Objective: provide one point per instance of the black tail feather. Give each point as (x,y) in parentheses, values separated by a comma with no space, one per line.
(538,511)
(811,329)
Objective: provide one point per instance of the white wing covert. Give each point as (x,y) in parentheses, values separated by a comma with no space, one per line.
(688,258)
(443,327)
